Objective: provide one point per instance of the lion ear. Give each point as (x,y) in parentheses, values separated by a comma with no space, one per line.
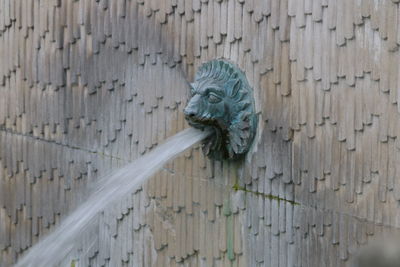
(234,87)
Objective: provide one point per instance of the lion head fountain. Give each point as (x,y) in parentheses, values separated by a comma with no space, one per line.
(222,99)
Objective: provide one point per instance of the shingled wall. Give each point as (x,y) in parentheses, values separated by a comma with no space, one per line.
(87,86)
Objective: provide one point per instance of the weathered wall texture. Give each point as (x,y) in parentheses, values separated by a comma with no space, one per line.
(86,86)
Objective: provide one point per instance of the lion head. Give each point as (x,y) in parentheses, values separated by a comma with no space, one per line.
(222,99)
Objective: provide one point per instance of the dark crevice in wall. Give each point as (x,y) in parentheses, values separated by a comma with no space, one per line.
(8,131)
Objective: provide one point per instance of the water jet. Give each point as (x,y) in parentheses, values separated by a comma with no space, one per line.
(54,247)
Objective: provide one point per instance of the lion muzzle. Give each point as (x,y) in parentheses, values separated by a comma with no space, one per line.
(191,111)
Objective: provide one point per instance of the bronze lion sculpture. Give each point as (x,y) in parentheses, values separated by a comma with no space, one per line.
(222,99)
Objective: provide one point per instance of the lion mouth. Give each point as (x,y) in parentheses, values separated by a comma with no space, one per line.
(200,123)
(215,141)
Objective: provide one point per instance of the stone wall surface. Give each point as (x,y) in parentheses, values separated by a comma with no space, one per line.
(87,86)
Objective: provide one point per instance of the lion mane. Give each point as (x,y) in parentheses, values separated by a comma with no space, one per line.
(223,100)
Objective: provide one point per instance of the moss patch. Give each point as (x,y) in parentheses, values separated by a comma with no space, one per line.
(237,187)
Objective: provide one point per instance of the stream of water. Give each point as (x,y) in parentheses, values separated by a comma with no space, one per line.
(54,247)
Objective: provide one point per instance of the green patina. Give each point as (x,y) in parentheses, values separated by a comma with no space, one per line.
(229,228)
(237,187)
(222,99)
(226,209)
(229,238)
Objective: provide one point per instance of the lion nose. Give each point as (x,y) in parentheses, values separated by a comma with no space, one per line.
(189,112)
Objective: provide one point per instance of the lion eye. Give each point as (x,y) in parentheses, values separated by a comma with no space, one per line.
(212,98)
